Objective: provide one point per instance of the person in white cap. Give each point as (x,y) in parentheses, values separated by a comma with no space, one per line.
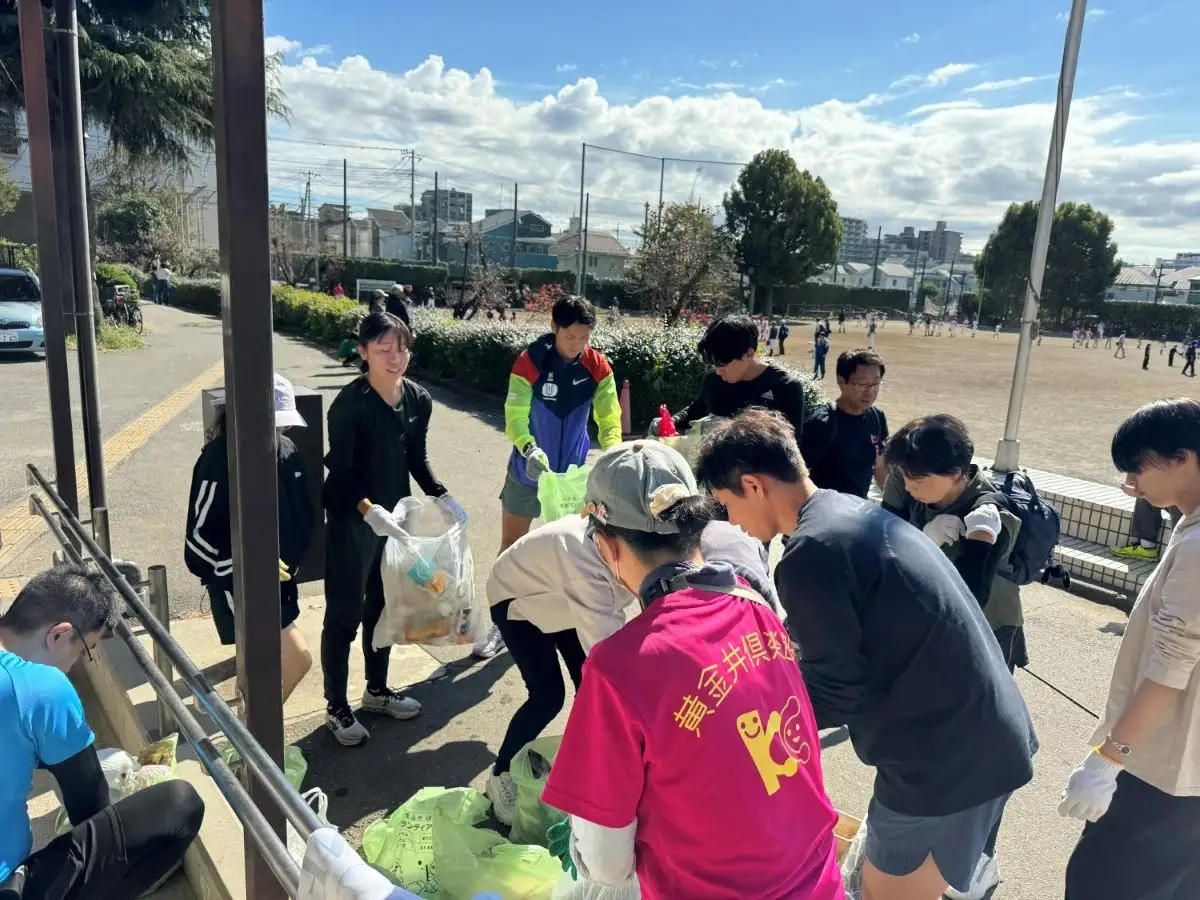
(208,548)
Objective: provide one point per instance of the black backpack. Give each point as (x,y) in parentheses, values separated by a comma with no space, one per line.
(1040,528)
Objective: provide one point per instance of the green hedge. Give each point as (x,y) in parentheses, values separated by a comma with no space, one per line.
(836,296)
(1176,320)
(108,275)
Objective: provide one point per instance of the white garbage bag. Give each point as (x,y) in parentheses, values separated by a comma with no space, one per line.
(428,581)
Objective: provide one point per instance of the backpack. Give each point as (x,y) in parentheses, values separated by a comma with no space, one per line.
(1039,532)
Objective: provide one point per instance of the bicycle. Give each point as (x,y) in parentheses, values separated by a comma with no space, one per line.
(124,309)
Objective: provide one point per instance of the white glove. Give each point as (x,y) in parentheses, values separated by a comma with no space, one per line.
(537,463)
(452,507)
(986,518)
(384,524)
(944,529)
(1090,788)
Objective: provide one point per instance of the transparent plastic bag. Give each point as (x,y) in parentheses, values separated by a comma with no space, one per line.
(852,861)
(319,801)
(571,889)
(530,770)
(561,494)
(295,766)
(428,580)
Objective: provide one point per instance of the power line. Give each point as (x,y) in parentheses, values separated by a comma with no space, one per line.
(675,159)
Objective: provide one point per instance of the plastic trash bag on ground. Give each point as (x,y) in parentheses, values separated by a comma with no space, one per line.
(570,889)
(530,770)
(852,862)
(295,766)
(470,861)
(561,494)
(125,775)
(402,844)
(317,799)
(428,581)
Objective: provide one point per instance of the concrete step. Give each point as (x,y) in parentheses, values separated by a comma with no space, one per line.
(1095,564)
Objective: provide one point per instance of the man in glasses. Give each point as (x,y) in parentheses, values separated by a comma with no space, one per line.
(113,851)
(843,441)
(740,379)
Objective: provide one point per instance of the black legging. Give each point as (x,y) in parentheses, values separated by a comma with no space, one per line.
(119,853)
(536,655)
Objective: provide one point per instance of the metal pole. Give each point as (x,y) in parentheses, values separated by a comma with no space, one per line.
(579,243)
(41,170)
(875,268)
(662,177)
(240,117)
(345,213)
(434,236)
(67,40)
(100,529)
(412,201)
(587,205)
(160,604)
(514,247)
(1009,450)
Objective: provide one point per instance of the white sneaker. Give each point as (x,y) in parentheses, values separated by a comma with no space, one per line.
(986,877)
(502,791)
(347,730)
(489,645)
(390,703)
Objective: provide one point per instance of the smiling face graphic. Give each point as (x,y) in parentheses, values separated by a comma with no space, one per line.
(793,732)
(750,724)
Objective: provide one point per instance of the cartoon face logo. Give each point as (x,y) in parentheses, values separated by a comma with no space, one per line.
(750,724)
(549,390)
(793,732)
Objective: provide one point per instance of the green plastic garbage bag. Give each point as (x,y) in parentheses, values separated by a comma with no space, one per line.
(470,861)
(530,770)
(295,766)
(402,845)
(561,494)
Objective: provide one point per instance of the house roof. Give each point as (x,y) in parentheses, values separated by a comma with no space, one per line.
(505,217)
(395,219)
(895,270)
(1135,276)
(1180,279)
(597,242)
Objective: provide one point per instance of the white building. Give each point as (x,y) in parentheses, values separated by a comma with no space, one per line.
(606,256)
(856,246)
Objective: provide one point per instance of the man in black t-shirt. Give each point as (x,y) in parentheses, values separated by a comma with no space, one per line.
(843,441)
(740,379)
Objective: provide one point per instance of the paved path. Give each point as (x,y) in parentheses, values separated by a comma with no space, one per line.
(1072,641)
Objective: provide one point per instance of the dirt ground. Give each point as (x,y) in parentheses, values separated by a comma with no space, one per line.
(1074,401)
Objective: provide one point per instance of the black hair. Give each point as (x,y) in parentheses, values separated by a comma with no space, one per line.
(72,593)
(727,339)
(931,445)
(573,310)
(378,324)
(850,360)
(754,442)
(1163,430)
(691,515)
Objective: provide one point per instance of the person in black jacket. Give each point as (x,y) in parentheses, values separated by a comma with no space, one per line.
(208,549)
(378,429)
(396,303)
(739,378)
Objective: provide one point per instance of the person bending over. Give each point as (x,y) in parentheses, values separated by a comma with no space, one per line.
(114,851)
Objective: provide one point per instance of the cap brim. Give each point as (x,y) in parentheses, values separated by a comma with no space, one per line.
(289,418)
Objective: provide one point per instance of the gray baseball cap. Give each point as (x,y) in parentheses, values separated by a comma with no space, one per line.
(632,483)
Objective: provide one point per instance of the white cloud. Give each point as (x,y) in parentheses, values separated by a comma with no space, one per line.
(963,161)
(565,67)
(913,38)
(274,43)
(937,77)
(1005,83)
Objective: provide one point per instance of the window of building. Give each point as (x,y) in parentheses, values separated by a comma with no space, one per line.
(10,133)
(593,261)
(536,228)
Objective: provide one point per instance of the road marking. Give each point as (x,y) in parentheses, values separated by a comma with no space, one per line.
(19,529)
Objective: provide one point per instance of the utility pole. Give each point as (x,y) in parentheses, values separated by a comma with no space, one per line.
(662,177)
(436,200)
(1158,283)
(1008,452)
(587,206)
(345,213)
(875,268)
(412,198)
(582,173)
(646,222)
(514,246)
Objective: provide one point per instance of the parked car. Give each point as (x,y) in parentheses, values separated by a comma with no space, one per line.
(20,312)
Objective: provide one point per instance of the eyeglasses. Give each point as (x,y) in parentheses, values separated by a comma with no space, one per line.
(82,640)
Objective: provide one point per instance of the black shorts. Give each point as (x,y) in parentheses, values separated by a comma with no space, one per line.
(222,608)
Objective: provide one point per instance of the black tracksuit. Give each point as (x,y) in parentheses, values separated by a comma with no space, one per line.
(776,388)
(208,547)
(373,450)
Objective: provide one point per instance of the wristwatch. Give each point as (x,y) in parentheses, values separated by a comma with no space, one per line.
(1122,749)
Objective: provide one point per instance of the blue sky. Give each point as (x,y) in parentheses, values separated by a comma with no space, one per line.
(910,113)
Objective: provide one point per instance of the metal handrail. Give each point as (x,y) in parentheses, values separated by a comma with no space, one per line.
(295,810)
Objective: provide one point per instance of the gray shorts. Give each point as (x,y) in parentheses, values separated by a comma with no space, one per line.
(898,844)
(519,499)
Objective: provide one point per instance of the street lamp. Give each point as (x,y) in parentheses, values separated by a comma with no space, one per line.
(1008,451)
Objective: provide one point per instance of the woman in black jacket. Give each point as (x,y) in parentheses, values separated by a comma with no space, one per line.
(208,550)
(378,429)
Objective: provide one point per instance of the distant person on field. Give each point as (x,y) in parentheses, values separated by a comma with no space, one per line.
(1171,357)
(162,284)
(1146,358)
(1120,351)
(1138,787)
(844,440)
(114,851)
(841,320)
(871,326)
(784,331)
(1189,360)
(820,351)
(773,339)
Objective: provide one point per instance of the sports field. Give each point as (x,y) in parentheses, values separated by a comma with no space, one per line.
(1074,400)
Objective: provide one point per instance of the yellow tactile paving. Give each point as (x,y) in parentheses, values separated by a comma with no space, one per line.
(19,529)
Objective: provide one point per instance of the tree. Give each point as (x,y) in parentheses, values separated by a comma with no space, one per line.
(125,227)
(146,74)
(1080,265)
(784,223)
(10,194)
(684,259)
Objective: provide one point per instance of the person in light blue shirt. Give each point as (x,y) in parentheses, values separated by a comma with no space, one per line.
(114,851)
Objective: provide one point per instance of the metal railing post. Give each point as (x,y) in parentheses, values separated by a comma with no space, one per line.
(100,529)
(160,605)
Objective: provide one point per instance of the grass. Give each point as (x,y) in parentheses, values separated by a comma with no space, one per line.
(112,337)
